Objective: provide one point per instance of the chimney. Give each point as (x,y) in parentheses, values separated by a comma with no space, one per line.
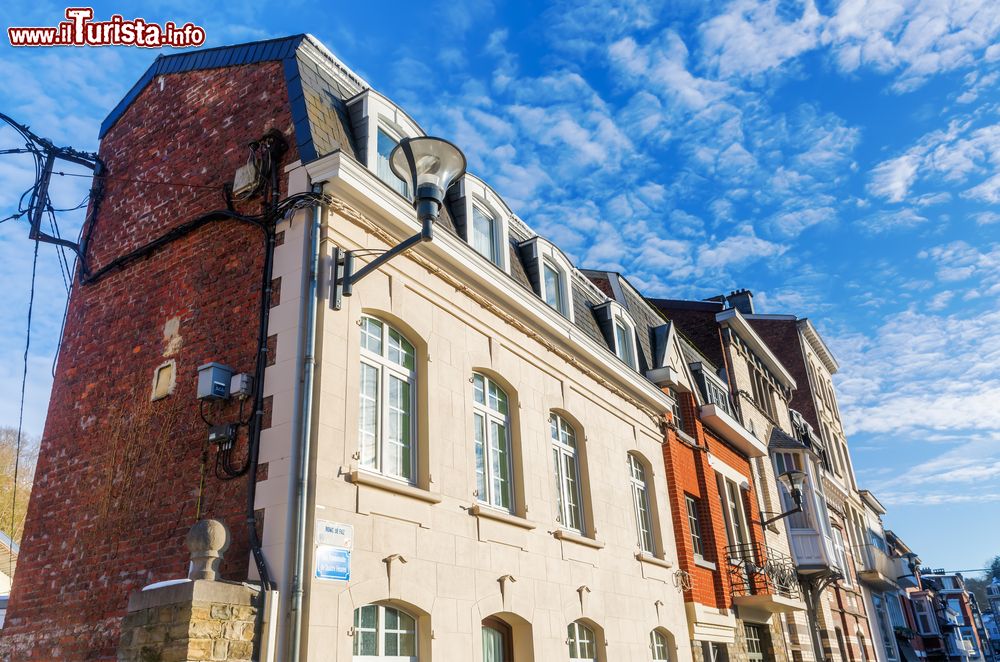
(741,300)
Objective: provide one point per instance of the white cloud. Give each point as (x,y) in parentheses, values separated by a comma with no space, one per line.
(889,220)
(750,38)
(892,179)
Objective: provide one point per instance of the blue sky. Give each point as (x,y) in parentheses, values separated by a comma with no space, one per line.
(837,158)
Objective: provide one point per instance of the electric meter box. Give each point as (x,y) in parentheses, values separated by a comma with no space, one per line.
(213,381)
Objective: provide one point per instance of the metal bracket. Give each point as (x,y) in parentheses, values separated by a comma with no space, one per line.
(343,277)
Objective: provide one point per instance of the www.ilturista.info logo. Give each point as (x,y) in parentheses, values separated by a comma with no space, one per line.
(81,30)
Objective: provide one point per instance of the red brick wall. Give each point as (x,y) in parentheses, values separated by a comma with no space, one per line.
(689,473)
(117,483)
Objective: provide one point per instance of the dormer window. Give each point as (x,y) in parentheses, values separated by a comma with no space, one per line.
(619,330)
(624,345)
(550,273)
(554,285)
(385,144)
(486,235)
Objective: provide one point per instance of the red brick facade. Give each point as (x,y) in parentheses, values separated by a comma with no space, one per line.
(119,476)
(689,473)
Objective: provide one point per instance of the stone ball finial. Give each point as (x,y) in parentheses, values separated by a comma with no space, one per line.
(207,541)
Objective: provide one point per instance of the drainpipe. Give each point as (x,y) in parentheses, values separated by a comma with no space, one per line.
(305,437)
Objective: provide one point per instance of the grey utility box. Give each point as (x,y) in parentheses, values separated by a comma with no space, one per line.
(213,381)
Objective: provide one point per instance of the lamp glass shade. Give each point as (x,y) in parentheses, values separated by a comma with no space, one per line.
(427,161)
(793,480)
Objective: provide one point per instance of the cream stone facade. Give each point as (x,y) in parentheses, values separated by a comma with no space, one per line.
(429,547)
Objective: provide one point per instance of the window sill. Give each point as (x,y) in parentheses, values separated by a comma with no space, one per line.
(572,536)
(684,436)
(359,477)
(643,557)
(479,510)
(702,563)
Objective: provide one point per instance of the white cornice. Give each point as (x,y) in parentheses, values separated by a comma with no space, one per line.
(362,189)
(815,341)
(734,319)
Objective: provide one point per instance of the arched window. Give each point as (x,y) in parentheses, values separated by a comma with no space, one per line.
(497,641)
(582,643)
(491,436)
(384,633)
(640,504)
(386,416)
(567,473)
(659,645)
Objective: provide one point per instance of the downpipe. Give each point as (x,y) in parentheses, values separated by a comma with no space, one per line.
(305,439)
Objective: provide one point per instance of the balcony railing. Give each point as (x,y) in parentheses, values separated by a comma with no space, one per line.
(759,570)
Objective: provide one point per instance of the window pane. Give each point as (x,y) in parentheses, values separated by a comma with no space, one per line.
(479,389)
(368,416)
(557,467)
(499,460)
(385,146)
(484,234)
(365,643)
(571,486)
(659,645)
(408,644)
(493,645)
(498,399)
(623,344)
(479,431)
(397,450)
(400,350)
(642,517)
(391,643)
(553,288)
(371,335)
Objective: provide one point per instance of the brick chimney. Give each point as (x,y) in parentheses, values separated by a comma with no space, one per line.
(741,300)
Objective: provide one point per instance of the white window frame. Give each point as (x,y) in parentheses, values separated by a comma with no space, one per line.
(545,253)
(659,646)
(496,233)
(386,369)
(562,298)
(389,177)
(474,192)
(740,526)
(564,456)
(380,633)
(573,638)
(641,506)
(628,354)
(922,607)
(694,524)
(490,417)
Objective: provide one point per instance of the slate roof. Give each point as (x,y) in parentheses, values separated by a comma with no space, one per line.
(782,440)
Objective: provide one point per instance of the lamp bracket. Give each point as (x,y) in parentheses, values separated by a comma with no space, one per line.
(343,277)
(797,509)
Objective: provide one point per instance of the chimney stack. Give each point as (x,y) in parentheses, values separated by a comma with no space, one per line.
(741,300)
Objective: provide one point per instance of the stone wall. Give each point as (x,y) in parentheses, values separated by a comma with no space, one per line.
(189,622)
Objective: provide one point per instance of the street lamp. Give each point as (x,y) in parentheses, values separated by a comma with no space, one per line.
(429,166)
(793,481)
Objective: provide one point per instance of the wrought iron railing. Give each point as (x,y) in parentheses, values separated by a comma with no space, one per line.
(759,570)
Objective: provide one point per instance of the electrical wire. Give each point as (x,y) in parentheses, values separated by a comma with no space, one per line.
(108,178)
(20,415)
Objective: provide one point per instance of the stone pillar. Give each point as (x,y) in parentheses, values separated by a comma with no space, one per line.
(194,619)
